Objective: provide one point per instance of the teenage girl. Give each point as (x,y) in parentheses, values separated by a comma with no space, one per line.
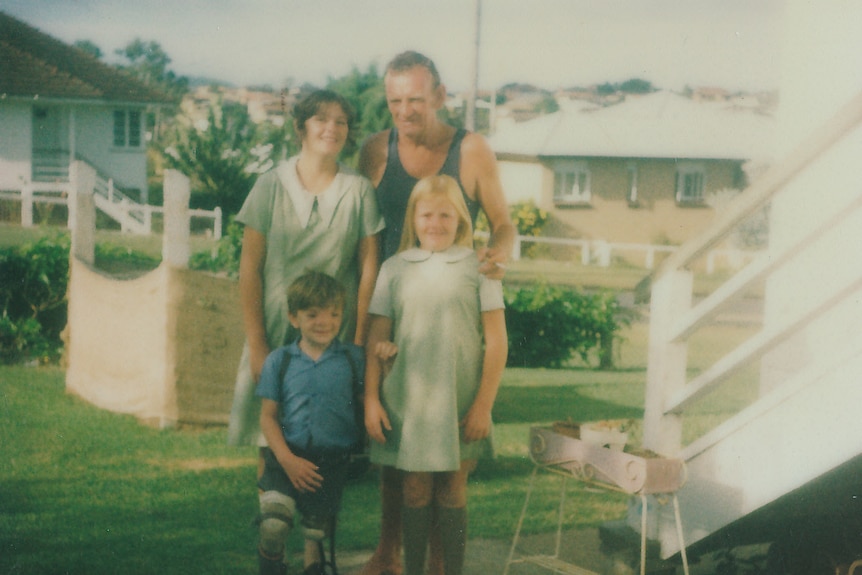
(308,213)
(438,328)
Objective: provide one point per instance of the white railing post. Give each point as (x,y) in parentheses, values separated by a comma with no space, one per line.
(667,359)
(650,258)
(217,223)
(27,206)
(175,242)
(516,248)
(603,248)
(82,212)
(710,263)
(148,218)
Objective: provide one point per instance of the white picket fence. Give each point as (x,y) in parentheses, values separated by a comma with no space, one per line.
(602,252)
(132,216)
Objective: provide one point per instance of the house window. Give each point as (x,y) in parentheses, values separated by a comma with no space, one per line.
(572,183)
(632,182)
(127,128)
(689,183)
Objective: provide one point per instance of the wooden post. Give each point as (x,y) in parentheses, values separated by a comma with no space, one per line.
(650,258)
(82,212)
(175,242)
(710,263)
(516,248)
(217,222)
(603,249)
(27,206)
(666,368)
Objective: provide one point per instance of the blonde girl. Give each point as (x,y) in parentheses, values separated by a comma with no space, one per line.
(438,327)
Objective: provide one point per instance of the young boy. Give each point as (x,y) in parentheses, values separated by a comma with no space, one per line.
(308,419)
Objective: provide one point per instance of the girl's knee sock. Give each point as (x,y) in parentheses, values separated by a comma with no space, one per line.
(416,525)
(452,522)
(270,565)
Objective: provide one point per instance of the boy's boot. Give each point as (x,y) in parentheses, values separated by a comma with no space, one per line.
(271,565)
(453,537)
(416,525)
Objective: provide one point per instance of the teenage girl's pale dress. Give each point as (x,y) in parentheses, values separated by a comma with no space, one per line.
(301,236)
(435,302)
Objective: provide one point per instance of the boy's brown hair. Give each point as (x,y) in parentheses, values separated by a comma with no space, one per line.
(314,289)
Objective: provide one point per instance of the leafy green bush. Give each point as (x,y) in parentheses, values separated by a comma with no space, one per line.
(116,259)
(225,259)
(33,281)
(548,325)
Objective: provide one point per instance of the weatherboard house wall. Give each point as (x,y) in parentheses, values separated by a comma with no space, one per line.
(58,103)
(14,151)
(627,161)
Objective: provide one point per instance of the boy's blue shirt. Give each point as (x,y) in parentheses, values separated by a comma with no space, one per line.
(316,397)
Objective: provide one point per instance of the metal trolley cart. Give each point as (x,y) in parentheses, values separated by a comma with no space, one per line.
(601,466)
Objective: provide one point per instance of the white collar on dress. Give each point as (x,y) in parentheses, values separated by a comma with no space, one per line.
(302,199)
(450,255)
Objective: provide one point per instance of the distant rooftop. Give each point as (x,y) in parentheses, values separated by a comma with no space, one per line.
(35,65)
(657,125)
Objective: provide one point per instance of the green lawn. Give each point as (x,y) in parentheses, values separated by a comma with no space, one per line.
(87,491)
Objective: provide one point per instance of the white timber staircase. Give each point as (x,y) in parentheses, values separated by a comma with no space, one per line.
(53,180)
(787,462)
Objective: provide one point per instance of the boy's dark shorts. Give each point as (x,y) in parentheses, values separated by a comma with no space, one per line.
(317,507)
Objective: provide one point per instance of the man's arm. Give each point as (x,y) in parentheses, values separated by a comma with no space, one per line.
(372,156)
(480,176)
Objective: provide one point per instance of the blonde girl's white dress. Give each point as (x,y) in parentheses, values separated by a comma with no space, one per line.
(435,301)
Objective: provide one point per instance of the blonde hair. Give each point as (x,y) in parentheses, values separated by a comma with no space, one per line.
(437,186)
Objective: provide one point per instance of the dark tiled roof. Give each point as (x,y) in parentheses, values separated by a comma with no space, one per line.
(34,64)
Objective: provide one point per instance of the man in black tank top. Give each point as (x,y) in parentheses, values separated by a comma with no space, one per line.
(395,186)
(420,145)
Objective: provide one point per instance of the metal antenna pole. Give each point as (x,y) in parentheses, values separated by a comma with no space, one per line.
(470,111)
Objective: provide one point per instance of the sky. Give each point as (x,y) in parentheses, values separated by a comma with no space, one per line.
(733,44)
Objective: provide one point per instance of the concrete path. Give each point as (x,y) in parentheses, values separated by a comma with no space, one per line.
(488,556)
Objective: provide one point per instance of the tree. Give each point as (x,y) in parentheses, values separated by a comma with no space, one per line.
(606,89)
(90,48)
(148,62)
(365,92)
(636,86)
(547,105)
(224,156)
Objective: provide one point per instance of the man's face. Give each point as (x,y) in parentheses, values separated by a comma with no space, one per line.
(413,100)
